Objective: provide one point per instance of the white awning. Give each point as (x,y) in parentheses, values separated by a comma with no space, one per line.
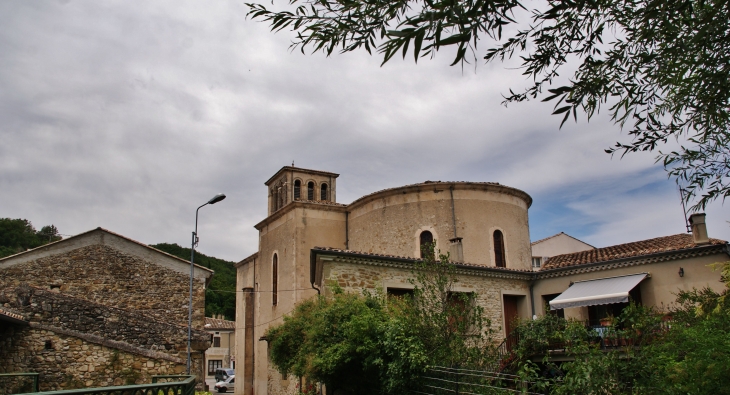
(599,291)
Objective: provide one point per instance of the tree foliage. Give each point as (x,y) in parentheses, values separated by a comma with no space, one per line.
(18,235)
(220,295)
(661,68)
(363,344)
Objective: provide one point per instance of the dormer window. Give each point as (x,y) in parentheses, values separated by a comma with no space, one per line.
(297,190)
(323,192)
(499,259)
(310,190)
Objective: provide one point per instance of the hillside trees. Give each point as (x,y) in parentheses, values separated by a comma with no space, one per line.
(18,235)
(220,295)
(660,68)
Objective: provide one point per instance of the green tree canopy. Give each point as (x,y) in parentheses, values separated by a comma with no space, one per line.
(661,68)
(18,235)
(220,296)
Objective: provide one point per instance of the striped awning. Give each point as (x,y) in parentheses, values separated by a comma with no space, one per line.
(599,291)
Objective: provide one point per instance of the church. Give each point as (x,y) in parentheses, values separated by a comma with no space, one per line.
(308,241)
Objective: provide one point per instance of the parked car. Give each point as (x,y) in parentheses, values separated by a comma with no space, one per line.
(226,385)
(221,374)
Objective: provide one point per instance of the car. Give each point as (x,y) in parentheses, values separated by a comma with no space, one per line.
(221,374)
(226,385)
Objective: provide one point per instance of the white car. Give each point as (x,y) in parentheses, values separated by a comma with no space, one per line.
(225,385)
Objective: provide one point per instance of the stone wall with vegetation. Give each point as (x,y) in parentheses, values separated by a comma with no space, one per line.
(66,362)
(73,342)
(105,275)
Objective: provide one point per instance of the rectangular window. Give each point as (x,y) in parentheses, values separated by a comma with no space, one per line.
(536,262)
(546,299)
(214,364)
(400,292)
(216,341)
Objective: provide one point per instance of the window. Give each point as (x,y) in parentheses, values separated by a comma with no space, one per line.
(275,281)
(214,364)
(216,341)
(499,260)
(323,192)
(536,261)
(546,299)
(310,190)
(426,243)
(400,292)
(297,190)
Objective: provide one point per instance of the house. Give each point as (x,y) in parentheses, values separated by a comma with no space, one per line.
(559,244)
(98,309)
(222,352)
(308,242)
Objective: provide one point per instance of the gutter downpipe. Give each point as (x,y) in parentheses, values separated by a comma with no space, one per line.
(347,230)
(532,299)
(453,211)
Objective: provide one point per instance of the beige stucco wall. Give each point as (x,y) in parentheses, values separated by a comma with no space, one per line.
(390,222)
(659,290)
(558,245)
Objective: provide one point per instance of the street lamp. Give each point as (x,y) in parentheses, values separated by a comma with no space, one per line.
(217,198)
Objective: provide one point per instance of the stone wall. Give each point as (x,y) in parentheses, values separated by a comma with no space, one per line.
(73,342)
(355,278)
(66,362)
(102,274)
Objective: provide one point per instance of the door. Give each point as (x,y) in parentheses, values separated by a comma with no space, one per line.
(510,318)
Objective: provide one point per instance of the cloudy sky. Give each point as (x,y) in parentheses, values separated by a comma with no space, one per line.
(129,115)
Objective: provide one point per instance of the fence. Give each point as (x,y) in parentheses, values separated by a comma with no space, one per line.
(161,385)
(17,383)
(440,380)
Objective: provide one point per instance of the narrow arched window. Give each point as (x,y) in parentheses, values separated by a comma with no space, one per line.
(426,243)
(323,192)
(499,259)
(310,191)
(275,198)
(297,190)
(275,280)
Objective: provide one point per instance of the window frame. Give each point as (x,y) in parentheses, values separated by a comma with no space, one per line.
(212,363)
(500,254)
(275,280)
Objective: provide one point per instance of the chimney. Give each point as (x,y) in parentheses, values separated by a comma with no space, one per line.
(699,229)
(456,250)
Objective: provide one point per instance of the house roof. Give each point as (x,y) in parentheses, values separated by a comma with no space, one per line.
(301,169)
(71,241)
(7,315)
(556,235)
(215,323)
(657,245)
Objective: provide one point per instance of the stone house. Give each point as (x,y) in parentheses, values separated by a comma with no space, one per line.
(98,309)
(222,352)
(308,241)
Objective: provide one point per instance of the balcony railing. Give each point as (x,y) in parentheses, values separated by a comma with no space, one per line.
(161,385)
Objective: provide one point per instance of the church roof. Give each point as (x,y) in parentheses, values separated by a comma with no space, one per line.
(303,170)
(674,243)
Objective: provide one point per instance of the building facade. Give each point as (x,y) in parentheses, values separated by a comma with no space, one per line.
(98,309)
(222,351)
(308,241)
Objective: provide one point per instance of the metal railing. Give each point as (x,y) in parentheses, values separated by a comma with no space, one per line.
(18,383)
(440,380)
(161,385)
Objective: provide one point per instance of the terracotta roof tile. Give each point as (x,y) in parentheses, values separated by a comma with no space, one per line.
(11,314)
(325,202)
(629,250)
(214,323)
(374,255)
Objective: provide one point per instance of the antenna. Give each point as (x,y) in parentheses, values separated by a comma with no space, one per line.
(682,193)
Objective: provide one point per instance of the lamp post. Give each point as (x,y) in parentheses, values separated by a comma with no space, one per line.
(217,198)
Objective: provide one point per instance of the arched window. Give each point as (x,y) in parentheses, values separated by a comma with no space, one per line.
(323,192)
(499,249)
(275,280)
(310,191)
(297,190)
(426,242)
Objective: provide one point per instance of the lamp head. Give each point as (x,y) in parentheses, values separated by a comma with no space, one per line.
(217,198)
